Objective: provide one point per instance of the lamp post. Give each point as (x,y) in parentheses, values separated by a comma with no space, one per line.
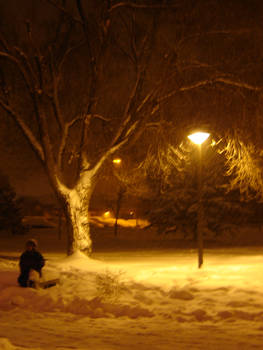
(198,138)
(121,191)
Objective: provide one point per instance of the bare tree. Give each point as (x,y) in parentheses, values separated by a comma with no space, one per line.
(64,89)
(81,79)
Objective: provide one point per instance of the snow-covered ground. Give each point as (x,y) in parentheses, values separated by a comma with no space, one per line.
(156,300)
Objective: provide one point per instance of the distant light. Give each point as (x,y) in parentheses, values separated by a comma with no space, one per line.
(131,212)
(116,161)
(107,214)
(199,137)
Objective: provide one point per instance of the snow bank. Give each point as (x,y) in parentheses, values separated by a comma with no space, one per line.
(161,293)
(6,345)
(76,293)
(94,289)
(102,221)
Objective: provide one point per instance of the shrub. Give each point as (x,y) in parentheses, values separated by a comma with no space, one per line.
(109,286)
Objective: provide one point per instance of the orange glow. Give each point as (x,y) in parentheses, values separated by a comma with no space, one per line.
(107,214)
(116,161)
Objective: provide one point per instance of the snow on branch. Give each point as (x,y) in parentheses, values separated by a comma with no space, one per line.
(144,101)
(244,166)
(115,147)
(63,142)
(239,84)
(66,129)
(25,129)
(26,63)
(56,78)
(141,6)
(20,67)
(198,84)
(120,130)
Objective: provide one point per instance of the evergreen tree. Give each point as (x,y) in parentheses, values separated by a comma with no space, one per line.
(172,203)
(10,215)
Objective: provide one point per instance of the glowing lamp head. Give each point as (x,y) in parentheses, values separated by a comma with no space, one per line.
(116,161)
(199,137)
(107,214)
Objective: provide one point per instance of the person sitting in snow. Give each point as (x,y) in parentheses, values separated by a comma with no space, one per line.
(31,263)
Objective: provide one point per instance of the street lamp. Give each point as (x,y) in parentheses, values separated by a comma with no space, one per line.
(117,162)
(198,138)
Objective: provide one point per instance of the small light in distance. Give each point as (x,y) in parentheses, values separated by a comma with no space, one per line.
(116,161)
(107,214)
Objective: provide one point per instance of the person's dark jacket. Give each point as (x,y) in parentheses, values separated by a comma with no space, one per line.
(29,260)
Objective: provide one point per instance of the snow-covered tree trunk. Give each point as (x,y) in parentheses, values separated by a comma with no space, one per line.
(76,208)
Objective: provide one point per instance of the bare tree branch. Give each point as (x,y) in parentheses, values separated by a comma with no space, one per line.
(114,148)
(54,96)
(4,42)
(32,90)
(28,67)
(68,52)
(21,69)
(239,84)
(126,114)
(64,10)
(25,129)
(141,6)
(240,31)
(198,84)
(64,137)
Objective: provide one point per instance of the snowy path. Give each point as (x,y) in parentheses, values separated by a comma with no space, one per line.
(142,300)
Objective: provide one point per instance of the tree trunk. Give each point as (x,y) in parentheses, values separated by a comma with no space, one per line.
(76,208)
(60,220)
(118,207)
